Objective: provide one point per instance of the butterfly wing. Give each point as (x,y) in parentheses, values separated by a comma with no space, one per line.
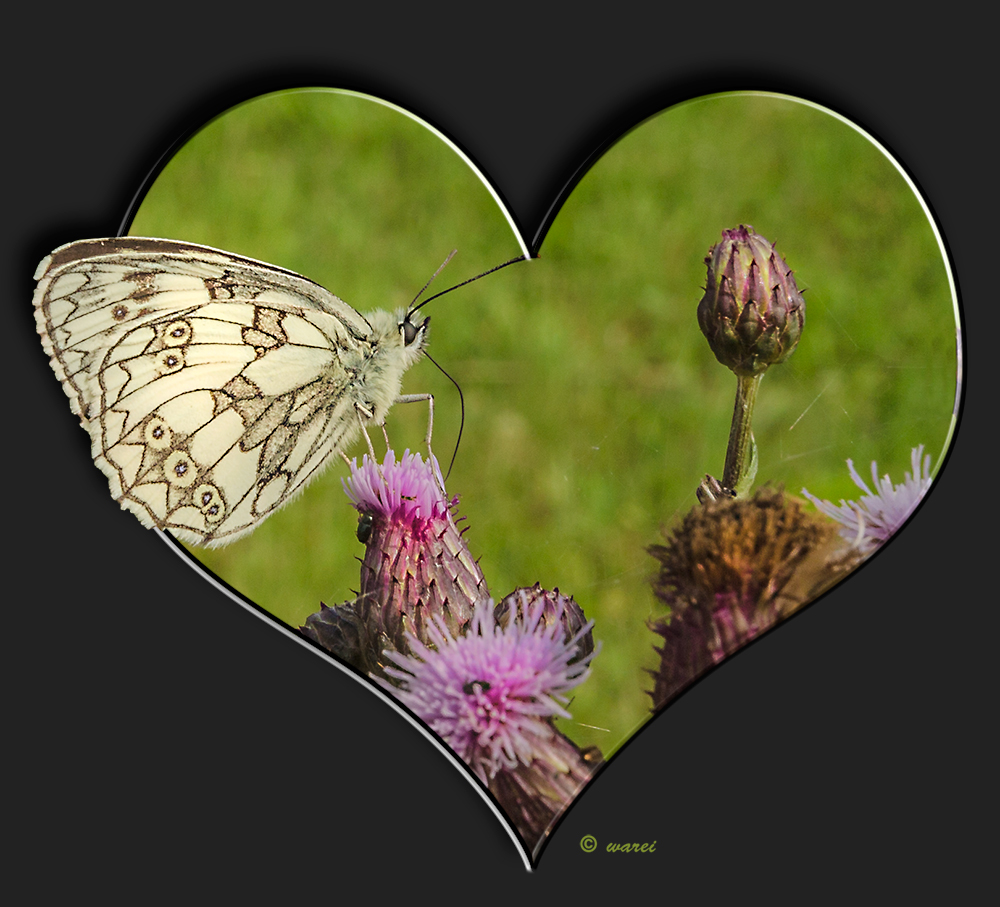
(213,386)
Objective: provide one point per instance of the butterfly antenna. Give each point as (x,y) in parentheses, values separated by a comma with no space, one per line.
(461,424)
(463,283)
(461,396)
(451,255)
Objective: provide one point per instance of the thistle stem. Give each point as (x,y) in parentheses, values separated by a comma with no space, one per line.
(740,437)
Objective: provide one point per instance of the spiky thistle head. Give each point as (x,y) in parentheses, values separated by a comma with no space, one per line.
(521,603)
(489,681)
(752,313)
(732,569)
(417,566)
(492,692)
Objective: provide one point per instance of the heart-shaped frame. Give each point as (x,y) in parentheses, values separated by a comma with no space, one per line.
(459,489)
(592,417)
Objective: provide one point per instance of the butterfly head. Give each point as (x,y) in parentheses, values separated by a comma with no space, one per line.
(413,333)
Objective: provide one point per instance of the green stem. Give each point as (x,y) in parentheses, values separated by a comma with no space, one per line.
(738,455)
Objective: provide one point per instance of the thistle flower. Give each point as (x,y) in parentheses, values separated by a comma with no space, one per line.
(535,795)
(752,312)
(416,562)
(732,570)
(489,681)
(555,607)
(870,521)
(408,491)
(491,694)
(348,632)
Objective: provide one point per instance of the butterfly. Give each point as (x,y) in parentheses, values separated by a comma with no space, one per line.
(214,387)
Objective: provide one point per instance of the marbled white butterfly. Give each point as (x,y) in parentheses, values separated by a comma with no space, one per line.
(213,386)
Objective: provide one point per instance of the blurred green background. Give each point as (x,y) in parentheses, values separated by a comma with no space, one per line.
(593,404)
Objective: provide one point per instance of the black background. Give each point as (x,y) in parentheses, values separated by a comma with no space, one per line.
(161,740)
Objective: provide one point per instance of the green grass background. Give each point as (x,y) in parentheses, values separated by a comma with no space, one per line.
(593,404)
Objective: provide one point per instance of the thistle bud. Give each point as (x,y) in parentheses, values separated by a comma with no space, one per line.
(557,607)
(752,312)
(349,632)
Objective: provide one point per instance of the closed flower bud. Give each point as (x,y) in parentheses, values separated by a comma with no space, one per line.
(557,607)
(349,632)
(752,312)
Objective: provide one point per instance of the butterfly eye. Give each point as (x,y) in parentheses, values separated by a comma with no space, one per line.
(409,330)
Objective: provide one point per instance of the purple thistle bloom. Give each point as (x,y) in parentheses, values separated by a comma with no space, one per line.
(417,565)
(489,681)
(411,490)
(491,693)
(879,514)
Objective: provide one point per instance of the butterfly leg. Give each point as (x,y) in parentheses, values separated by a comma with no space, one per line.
(371,449)
(419,398)
(362,413)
